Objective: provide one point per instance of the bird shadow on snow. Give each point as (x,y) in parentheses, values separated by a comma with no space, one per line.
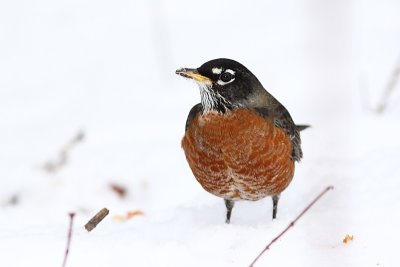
(245,214)
(248,213)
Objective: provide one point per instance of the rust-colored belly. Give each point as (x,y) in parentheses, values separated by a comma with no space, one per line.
(238,155)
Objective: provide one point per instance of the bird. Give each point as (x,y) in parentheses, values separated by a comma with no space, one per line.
(240,142)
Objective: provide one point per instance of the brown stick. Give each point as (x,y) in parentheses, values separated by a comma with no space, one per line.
(292,223)
(71,220)
(96,219)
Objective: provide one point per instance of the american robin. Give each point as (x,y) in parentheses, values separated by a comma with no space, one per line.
(240,142)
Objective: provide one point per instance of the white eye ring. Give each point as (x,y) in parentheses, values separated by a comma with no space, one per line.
(220,82)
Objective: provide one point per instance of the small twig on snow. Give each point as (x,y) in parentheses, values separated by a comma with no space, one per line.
(389,88)
(71,220)
(292,223)
(96,219)
(55,165)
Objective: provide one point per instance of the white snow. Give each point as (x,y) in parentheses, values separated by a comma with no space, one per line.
(107,68)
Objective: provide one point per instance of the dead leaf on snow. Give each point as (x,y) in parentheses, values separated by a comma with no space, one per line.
(129,215)
(348,238)
(118,189)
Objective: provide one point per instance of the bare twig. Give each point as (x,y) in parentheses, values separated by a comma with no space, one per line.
(96,219)
(292,223)
(394,77)
(56,165)
(71,220)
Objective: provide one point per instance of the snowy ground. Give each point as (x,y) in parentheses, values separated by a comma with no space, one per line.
(107,69)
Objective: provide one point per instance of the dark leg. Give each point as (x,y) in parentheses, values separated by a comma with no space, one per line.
(229,206)
(275,200)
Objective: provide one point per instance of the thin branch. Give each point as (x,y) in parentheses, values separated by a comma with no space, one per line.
(394,77)
(71,220)
(292,223)
(52,166)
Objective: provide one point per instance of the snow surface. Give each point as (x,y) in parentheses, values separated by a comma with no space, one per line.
(107,68)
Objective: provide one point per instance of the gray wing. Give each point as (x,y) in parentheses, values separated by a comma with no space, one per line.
(193,112)
(282,119)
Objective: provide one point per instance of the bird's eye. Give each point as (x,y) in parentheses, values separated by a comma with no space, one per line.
(226,77)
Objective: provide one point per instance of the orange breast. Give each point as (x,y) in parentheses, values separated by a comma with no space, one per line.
(238,155)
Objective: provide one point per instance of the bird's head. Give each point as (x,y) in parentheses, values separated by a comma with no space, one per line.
(224,84)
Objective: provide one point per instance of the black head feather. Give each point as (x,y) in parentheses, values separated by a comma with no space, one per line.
(230,79)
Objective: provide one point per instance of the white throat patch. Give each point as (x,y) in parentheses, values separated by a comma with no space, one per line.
(210,99)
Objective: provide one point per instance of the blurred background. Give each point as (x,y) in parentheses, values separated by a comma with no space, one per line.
(89,102)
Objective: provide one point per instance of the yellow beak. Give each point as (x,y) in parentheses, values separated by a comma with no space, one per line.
(192,74)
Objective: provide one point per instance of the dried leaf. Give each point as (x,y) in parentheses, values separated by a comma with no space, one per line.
(129,215)
(134,213)
(118,189)
(348,238)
